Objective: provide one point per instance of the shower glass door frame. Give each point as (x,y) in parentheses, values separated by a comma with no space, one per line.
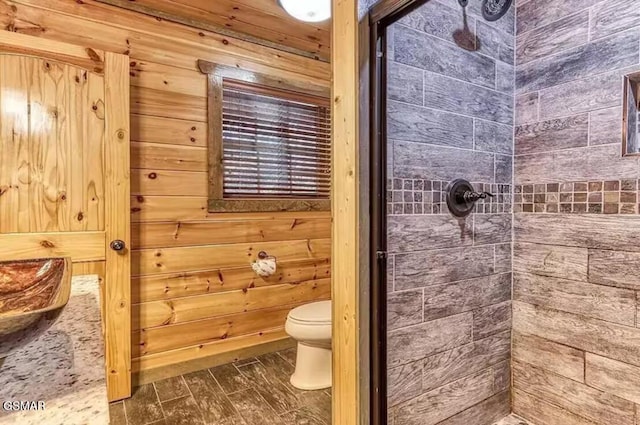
(381,16)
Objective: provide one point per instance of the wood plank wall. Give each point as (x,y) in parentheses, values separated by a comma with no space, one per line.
(576,342)
(194,292)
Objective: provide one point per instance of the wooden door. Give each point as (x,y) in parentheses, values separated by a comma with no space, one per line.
(64,172)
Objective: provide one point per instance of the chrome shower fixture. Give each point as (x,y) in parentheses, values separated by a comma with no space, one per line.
(492,10)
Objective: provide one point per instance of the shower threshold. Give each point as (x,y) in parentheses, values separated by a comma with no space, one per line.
(512,420)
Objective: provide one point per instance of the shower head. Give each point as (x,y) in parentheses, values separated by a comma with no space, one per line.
(492,10)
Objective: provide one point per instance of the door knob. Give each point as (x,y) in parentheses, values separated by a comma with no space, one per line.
(118,245)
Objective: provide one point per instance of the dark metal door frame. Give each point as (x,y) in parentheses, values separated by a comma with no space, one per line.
(380,17)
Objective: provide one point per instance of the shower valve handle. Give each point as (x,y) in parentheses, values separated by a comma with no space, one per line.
(475,196)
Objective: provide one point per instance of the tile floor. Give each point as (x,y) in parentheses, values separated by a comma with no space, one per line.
(251,392)
(512,420)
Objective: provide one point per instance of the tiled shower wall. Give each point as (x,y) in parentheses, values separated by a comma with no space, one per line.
(576,342)
(450,115)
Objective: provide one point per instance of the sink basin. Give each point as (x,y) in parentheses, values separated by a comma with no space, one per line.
(32,295)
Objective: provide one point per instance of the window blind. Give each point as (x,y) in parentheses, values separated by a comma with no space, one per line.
(276,144)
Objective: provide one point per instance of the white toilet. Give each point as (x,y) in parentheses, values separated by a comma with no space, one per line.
(310,325)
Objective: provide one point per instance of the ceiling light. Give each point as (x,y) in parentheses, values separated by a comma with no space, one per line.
(307,10)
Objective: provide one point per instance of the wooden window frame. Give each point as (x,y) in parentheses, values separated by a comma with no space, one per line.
(216,74)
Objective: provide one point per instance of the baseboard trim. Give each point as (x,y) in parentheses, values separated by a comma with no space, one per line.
(151,375)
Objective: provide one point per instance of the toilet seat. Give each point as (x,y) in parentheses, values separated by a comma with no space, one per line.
(313,314)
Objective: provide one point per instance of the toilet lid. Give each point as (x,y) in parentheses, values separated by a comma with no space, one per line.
(319,312)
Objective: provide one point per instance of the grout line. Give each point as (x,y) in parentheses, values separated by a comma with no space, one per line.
(422,306)
(452,78)
(444,147)
(589,17)
(193,397)
(455,114)
(621,71)
(503,35)
(155,391)
(124,409)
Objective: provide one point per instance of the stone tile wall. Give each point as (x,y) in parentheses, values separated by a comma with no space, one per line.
(418,196)
(450,115)
(576,342)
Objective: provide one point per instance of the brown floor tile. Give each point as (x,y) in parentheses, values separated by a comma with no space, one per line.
(182,411)
(210,398)
(318,403)
(276,394)
(254,391)
(230,378)
(302,416)
(279,369)
(143,407)
(289,355)
(246,361)
(232,420)
(116,414)
(253,408)
(171,388)
(277,364)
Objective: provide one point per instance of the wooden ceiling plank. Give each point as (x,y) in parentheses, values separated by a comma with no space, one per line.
(226,17)
(109,28)
(271,7)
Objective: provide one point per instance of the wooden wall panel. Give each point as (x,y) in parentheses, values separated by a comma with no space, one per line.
(165,338)
(167,183)
(175,285)
(180,250)
(157,156)
(145,128)
(180,310)
(42,188)
(183,259)
(80,246)
(200,351)
(185,208)
(162,103)
(89,267)
(171,234)
(166,78)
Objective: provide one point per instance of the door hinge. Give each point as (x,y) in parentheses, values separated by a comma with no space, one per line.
(382,255)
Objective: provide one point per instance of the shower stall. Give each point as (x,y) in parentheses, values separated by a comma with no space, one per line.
(504,213)
(449,183)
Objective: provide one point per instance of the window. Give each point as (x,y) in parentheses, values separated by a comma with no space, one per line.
(269,144)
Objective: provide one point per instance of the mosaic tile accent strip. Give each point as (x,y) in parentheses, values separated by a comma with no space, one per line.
(590,197)
(420,197)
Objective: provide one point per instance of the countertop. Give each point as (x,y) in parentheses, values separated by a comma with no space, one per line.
(64,367)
